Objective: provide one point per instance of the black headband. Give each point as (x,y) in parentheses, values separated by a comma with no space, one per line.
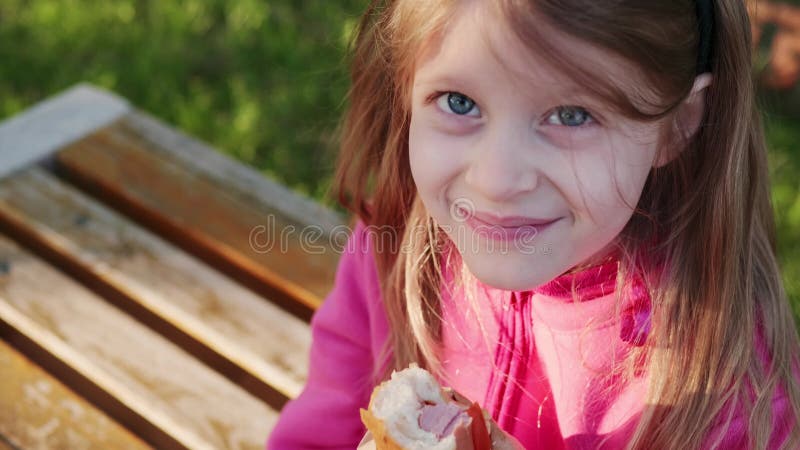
(705,24)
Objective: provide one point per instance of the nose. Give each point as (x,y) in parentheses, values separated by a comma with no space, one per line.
(501,168)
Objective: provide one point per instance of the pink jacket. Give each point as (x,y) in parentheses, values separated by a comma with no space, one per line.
(545,390)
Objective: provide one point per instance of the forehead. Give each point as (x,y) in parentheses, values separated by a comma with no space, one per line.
(478,42)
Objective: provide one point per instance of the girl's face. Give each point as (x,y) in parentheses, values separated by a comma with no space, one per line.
(496,134)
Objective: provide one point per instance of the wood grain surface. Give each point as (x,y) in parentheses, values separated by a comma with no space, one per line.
(291,262)
(226,325)
(37,412)
(161,393)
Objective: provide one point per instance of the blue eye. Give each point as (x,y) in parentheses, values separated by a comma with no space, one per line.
(458,104)
(571,116)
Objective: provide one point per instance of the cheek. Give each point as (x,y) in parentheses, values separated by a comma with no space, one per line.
(432,156)
(418,155)
(609,181)
(634,162)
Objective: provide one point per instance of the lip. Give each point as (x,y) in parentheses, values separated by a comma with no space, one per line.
(509,228)
(510,221)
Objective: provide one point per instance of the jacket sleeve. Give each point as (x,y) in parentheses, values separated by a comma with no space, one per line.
(326,414)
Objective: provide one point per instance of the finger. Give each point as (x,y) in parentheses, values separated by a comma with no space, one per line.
(502,440)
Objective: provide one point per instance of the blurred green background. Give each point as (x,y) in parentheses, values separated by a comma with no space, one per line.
(262,80)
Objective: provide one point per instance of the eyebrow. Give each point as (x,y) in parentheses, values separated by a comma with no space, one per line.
(446,80)
(571,92)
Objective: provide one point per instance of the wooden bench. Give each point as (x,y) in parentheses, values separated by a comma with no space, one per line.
(153,292)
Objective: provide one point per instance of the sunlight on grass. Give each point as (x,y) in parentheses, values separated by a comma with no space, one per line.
(261,80)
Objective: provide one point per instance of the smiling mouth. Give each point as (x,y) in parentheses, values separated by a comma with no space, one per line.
(523,232)
(507,222)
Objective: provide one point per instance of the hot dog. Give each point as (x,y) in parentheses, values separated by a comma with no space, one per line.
(411,411)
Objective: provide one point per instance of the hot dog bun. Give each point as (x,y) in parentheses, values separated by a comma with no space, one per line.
(412,412)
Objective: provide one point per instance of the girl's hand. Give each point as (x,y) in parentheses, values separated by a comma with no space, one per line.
(500,440)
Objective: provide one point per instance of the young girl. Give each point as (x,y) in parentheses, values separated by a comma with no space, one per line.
(564,214)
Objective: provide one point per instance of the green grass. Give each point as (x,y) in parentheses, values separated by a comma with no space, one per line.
(261,80)
(784,140)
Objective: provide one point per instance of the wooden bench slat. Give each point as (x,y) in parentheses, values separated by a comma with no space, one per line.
(37,412)
(205,214)
(154,381)
(49,125)
(240,180)
(5,444)
(168,288)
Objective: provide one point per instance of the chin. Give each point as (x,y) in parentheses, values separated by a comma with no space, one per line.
(509,274)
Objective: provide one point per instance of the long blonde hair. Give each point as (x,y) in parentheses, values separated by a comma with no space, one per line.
(708,211)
